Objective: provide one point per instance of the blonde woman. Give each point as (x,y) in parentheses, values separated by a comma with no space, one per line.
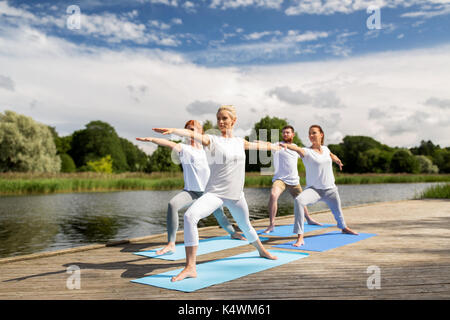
(196,174)
(224,188)
(320,184)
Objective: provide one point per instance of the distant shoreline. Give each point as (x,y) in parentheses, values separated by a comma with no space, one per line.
(29,183)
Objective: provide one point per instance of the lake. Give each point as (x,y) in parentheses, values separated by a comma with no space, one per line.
(36,223)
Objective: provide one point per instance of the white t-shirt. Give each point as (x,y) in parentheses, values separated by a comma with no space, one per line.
(285,163)
(226,158)
(319,171)
(195,167)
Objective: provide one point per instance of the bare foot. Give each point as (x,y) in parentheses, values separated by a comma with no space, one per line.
(349,231)
(314,222)
(237,235)
(266,254)
(299,241)
(170,247)
(187,272)
(269,229)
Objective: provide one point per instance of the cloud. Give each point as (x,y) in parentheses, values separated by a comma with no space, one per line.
(323,99)
(286,94)
(7,83)
(233,4)
(327,100)
(90,82)
(440,103)
(110,27)
(295,36)
(375,113)
(259,35)
(189,6)
(137,92)
(428,14)
(173,3)
(202,107)
(329,7)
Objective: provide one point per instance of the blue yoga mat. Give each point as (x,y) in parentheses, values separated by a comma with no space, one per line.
(205,246)
(287,230)
(326,241)
(220,271)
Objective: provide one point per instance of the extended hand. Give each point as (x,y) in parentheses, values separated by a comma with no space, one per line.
(144,139)
(163,130)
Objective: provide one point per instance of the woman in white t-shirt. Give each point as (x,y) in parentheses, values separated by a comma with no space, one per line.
(320,184)
(225,186)
(196,174)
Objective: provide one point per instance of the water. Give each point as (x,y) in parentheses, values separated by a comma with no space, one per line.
(37,223)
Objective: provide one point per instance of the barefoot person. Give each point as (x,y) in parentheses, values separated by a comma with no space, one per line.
(319,182)
(225,186)
(196,174)
(285,177)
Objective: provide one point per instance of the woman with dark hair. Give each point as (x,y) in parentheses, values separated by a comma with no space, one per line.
(196,174)
(320,184)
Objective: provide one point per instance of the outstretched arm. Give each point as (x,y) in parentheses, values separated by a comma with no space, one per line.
(202,138)
(162,142)
(260,145)
(336,160)
(297,149)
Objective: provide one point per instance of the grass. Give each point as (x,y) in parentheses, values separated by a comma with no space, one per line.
(44,183)
(440,191)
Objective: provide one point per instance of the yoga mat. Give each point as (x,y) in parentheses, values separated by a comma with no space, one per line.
(204,246)
(326,241)
(287,230)
(222,270)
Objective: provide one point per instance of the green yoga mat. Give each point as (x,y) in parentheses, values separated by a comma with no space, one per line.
(222,270)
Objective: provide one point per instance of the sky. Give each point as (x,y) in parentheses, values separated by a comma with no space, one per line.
(377,68)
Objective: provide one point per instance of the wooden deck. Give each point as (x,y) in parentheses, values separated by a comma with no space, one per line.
(412,250)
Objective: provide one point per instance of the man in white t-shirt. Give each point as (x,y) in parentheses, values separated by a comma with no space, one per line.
(285,177)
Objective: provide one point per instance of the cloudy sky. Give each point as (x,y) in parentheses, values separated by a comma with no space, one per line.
(379,68)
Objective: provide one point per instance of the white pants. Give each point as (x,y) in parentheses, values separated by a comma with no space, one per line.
(207,204)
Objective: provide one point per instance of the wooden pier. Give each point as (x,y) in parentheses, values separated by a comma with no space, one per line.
(411,250)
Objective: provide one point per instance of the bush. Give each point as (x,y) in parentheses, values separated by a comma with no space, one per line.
(67,164)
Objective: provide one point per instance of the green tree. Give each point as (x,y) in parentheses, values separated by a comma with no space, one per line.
(352,153)
(96,141)
(161,160)
(426,148)
(67,164)
(441,158)
(137,159)
(267,129)
(63,145)
(403,161)
(26,145)
(426,165)
(104,165)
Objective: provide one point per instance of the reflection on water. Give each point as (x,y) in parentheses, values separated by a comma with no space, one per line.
(38,223)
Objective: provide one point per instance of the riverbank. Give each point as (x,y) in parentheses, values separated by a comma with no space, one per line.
(30,183)
(436,192)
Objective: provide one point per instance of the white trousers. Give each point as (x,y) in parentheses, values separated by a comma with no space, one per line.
(207,204)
